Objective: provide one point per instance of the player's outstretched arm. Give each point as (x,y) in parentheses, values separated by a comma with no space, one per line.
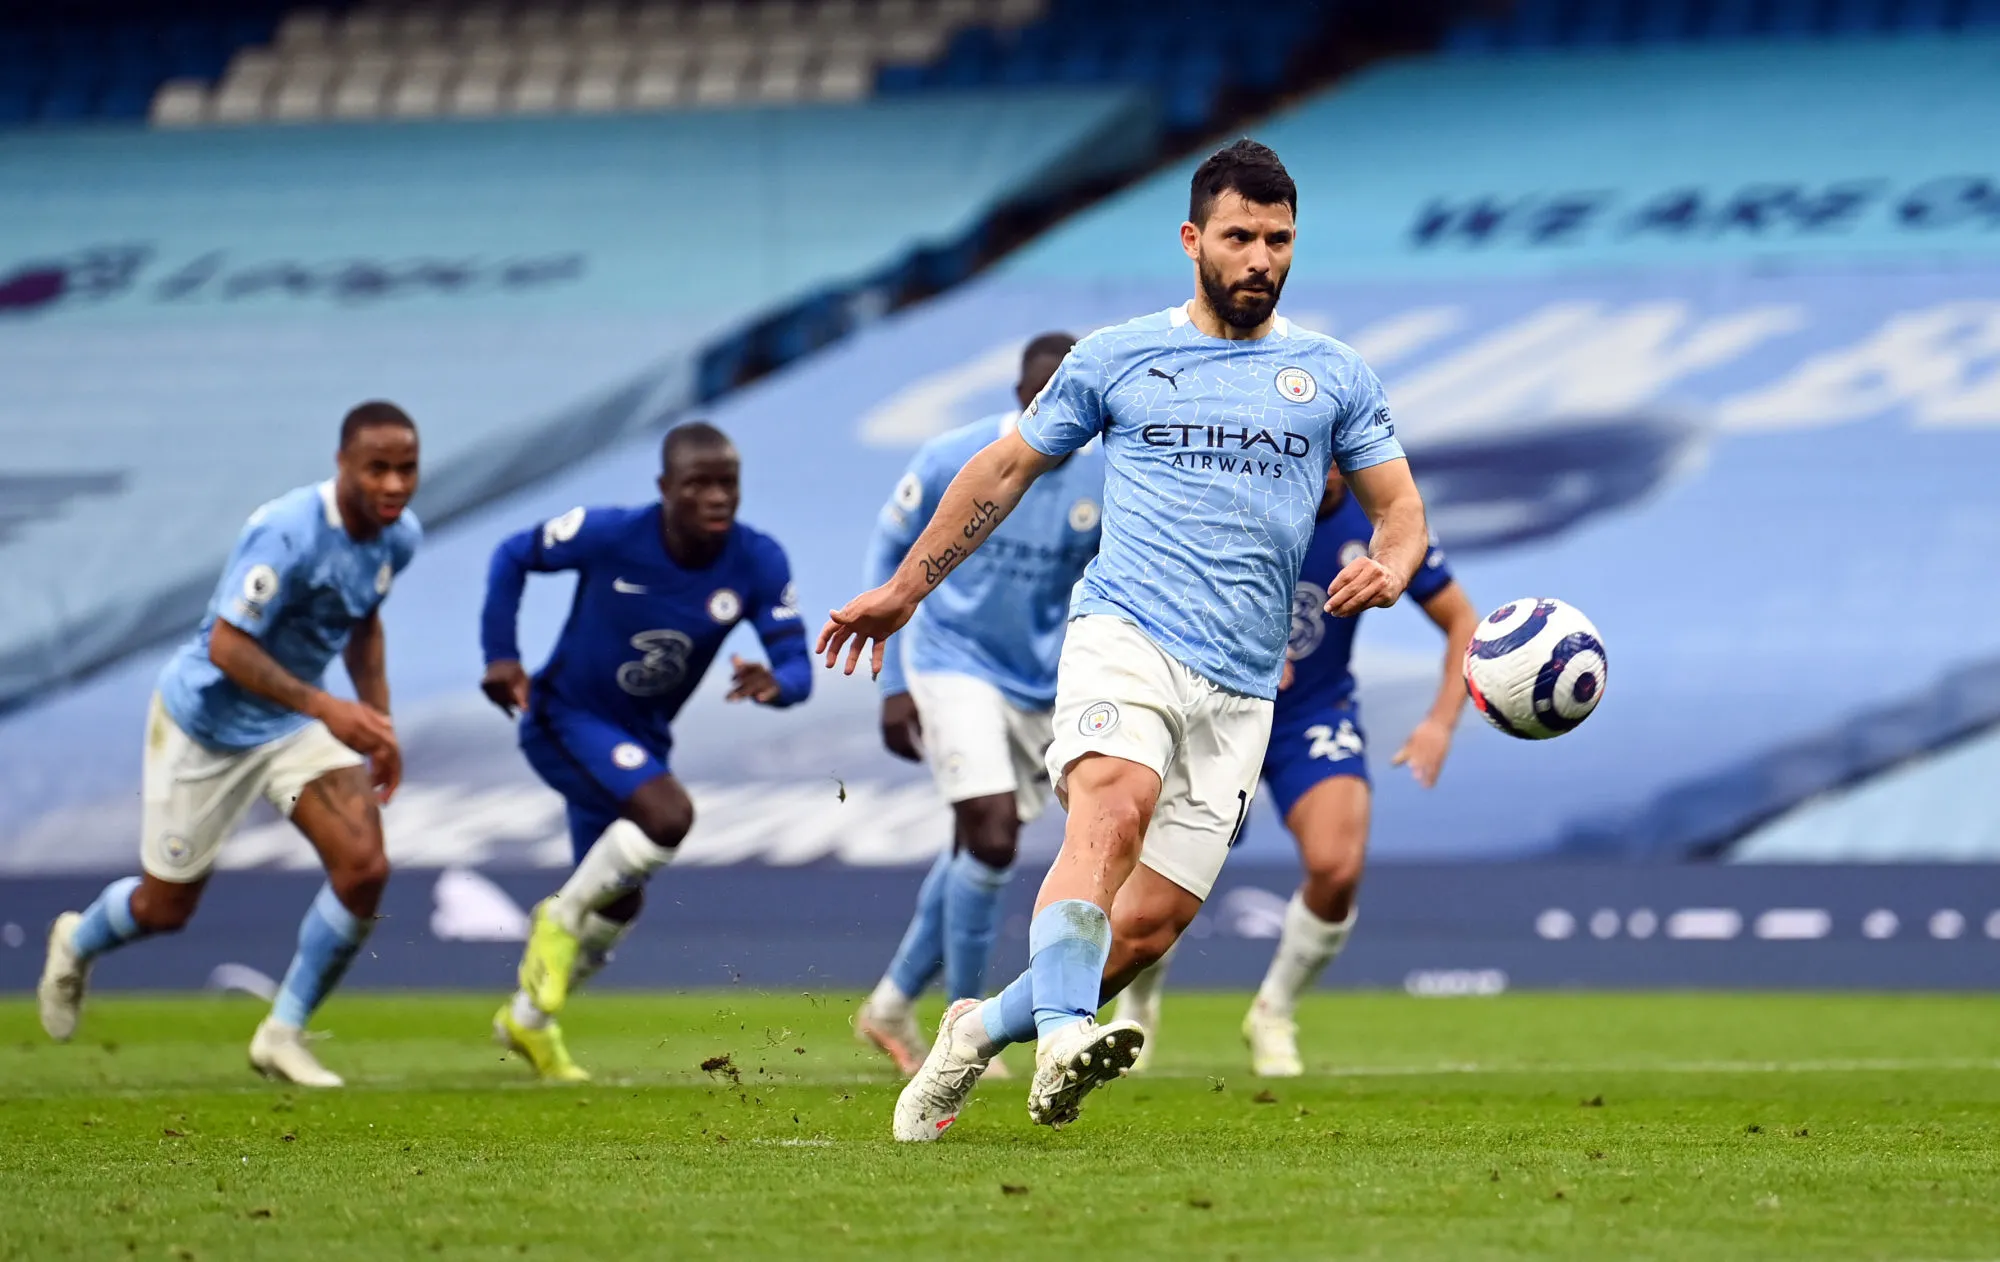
(237,654)
(1389,495)
(978,499)
(1430,742)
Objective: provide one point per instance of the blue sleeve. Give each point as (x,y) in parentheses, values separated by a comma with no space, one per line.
(901,520)
(560,543)
(257,581)
(1364,435)
(776,617)
(1069,411)
(1433,576)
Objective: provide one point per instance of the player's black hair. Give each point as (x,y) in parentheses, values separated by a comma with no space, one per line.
(1052,344)
(1251,169)
(689,434)
(368,416)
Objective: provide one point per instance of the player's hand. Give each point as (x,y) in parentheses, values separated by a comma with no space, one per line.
(873,616)
(1425,751)
(368,732)
(751,681)
(506,685)
(902,730)
(1364,583)
(1285,679)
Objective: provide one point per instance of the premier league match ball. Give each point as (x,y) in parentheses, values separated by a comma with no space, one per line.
(1535,668)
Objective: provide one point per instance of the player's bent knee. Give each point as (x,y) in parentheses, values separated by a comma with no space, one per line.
(989,829)
(163,906)
(359,879)
(663,811)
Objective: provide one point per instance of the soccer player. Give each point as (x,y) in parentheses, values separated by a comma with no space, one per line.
(241,712)
(976,695)
(1317,771)
(1220,420)
(658,589)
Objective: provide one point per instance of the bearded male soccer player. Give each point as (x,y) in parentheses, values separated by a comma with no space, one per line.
(976,695)
(240,713)
(1317,769)
(658,589)
(1220,420)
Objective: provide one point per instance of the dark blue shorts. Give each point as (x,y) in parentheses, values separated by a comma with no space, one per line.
(1311,746)
(597,766)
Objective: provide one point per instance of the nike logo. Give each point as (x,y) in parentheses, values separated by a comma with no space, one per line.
(1171,378)
(624,588)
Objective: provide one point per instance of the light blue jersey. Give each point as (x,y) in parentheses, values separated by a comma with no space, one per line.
(1217,454)
(297,584)
(1000,615)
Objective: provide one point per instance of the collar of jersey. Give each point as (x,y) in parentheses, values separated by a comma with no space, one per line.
(1177,316)
(327,498)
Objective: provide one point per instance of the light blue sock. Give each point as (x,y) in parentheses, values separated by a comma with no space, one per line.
(329,938)
(1009,1017)
(971,922)
(107,922)
(921,954)
(1067,945)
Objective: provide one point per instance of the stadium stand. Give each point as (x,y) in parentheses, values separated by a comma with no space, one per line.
(183,314)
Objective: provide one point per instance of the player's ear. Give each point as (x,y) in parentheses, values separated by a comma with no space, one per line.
(1190,239)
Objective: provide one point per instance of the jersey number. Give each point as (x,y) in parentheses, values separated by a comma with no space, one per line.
(1332,745)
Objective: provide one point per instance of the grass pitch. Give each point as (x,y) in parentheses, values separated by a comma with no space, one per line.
(1672,1126)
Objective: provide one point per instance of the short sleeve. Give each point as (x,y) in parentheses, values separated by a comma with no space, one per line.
(1364,435)
(1433,576)
(1069,411)
(258,578)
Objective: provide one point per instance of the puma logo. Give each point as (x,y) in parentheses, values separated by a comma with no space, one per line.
(1171,378)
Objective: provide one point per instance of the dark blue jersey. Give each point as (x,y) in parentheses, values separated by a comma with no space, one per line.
(643,629)
(1321,645)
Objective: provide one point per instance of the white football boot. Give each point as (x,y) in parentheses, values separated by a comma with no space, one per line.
(931,1100)
(1142,1006)
(1274,1043)
(1076,1060)
(896,1034)
(64,980)
(280,1051)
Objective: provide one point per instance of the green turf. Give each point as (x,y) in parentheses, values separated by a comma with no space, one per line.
(1677,1126)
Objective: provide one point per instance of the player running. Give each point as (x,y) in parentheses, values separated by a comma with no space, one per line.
(1317,771)
(980,681)
(240,713)
(1220,421)
(658,589)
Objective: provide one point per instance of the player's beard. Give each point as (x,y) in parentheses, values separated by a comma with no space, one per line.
(1238,308)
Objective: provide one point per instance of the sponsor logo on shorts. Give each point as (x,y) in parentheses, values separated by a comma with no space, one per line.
(627,756)
(1098,719)
(1297,385)
(176,846)
(1083,515)
(725,605)
(954,767)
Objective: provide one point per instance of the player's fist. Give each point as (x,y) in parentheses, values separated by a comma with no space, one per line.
(368,732)
(506,685)
(752,681)
(902,730)
(1285,676)
(1364,583)
(873,616)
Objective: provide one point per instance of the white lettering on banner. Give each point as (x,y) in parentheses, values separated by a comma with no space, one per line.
(1942,362)
(931,405)
(1577,359)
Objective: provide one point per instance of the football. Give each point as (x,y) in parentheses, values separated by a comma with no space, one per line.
(1535,668)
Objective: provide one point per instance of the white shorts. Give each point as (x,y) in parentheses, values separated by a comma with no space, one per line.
(1118,693)
(979,744)
(195,796)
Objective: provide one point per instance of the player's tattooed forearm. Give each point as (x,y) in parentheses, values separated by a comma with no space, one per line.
(982,513)
(936,567)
